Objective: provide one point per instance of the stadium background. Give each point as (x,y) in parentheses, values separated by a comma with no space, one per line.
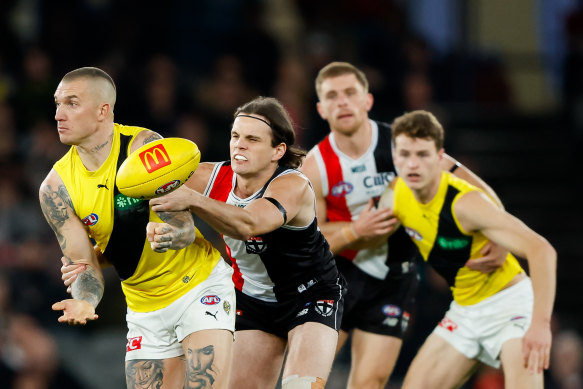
(505,78)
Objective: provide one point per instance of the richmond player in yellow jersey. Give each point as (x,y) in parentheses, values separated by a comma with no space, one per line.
(178,290)
(497,317)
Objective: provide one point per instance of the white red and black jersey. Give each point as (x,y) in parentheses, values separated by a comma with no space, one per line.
(348,184)
(280,264)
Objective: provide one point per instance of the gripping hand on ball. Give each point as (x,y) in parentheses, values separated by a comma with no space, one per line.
(175,233)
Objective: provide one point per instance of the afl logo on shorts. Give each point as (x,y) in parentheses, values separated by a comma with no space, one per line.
(255,245)
(325,307)
(210,299)
(341,189)
(391,310)
(91,220)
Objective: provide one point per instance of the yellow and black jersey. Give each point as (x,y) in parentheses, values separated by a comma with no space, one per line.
(117,224)
(443,243)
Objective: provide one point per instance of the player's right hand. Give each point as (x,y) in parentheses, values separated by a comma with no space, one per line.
(70,272)
(373,223)
(75,312)
(493,256)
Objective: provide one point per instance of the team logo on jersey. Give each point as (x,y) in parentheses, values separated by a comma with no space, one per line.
(358,169)
(448,324)
(453,243)
(255,245)
(341,189)
(134,344)
(227,307)
(210,299)
(168,187)
(391,310)
(91,220)
(325,307)
(413,234)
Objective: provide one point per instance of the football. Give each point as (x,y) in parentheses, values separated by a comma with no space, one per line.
(157,168)
(386,200)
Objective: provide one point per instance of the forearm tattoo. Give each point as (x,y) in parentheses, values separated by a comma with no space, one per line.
(201,371)
(54,207)
(152,138)
(88,287)
(144,374)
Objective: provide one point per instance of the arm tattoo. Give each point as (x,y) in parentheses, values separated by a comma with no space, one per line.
(144,374)
(54,206)
(88,287)
(201,371)
(181,220)
(152,138)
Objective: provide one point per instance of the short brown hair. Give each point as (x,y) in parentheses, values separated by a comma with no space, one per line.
(335,69)
(282,130)
(418,124)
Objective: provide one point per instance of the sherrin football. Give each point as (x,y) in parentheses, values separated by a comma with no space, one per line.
(157,168)
(387,197)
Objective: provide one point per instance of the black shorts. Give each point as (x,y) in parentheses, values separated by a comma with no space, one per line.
(378,306)
(278,318)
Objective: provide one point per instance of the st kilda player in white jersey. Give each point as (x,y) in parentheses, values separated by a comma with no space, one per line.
(289,290)
(384,277)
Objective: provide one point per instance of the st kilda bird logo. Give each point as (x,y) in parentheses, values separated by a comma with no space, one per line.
(255,245)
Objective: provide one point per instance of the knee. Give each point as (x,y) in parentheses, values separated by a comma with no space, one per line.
(306,382)
(368,381)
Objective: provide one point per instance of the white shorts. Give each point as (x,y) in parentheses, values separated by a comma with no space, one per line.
(208,306)
(478,331)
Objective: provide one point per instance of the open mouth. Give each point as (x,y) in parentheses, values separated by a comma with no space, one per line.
(239,157)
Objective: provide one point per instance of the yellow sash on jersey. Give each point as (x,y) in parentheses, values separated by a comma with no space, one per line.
(448,250)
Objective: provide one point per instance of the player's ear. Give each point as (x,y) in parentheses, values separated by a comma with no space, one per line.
(280,150)
(320,110)
(104,111)
(369,101)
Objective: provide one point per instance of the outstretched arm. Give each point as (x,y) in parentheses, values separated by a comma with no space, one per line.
(87,290)
(476,213)
(258,217)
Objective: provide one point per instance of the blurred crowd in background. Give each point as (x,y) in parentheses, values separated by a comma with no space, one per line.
(183,67)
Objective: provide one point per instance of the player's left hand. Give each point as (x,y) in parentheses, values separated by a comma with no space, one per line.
(70,272)
(75,311)
(178,200)
(161,236)
(536,347)
(493,256)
